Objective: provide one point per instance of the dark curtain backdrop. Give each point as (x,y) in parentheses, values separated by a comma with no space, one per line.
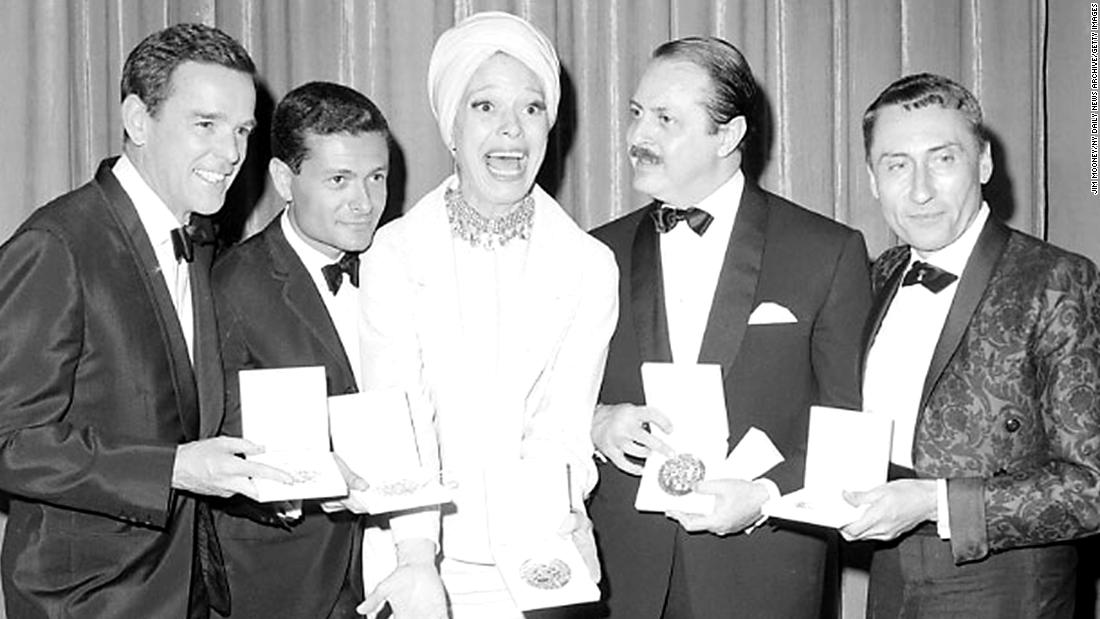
(819,62)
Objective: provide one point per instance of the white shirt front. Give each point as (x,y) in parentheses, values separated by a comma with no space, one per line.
(898,361)
(690,265)
(158,221)
(343,307)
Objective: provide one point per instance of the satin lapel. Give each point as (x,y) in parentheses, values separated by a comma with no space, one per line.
(647,297)
(302,297)
(975,277)
(122,211)
(882,304)
(736,289)
(208,361)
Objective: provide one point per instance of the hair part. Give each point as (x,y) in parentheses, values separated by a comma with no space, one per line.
(921,90)
(148,70)
(733,90)
(320,108)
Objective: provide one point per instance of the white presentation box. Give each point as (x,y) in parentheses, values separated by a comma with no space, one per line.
(846,450)
(373,432)
(528,500)
(284,409)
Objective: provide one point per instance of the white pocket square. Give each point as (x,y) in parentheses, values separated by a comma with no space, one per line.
(768,313)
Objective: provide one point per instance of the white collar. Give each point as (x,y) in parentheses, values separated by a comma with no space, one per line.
(156,217)
(954,256)
(722,203)
(310,256)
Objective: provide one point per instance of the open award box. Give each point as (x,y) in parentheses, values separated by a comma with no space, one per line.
(529,501)
(691,396)
(846,450)
(376,434)
(284,410)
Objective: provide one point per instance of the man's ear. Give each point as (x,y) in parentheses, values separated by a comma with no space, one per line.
(874,182)
(281,177)
(985,164)
(733,133)
(135,119)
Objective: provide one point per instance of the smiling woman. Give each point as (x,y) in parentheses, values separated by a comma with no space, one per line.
(491,308)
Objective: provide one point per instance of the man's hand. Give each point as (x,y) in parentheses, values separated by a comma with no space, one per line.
(736,506)
(212,467)
(619,430)
(414,589)
(354,483)
(892,509)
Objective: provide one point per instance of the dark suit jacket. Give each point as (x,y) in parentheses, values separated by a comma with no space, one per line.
(97,392)
(271,315)
(780,253)
(1010,411)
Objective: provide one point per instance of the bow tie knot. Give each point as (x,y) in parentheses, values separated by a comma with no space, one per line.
(929,276)
(198,231)
(334,273)
(667,217)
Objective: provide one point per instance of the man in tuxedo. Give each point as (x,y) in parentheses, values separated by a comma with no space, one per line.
(287,297)
(716,270)
(112,387)
(985,352)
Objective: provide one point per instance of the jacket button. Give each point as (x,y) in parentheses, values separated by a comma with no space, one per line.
(1012,425)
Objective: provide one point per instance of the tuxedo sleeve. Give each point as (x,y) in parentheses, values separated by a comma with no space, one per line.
(50,449)
(1056,496)
(837,345)
(562,419)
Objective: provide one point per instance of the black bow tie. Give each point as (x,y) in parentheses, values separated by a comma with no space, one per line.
(667,217)
(198,231)
(931,277)
(334,273)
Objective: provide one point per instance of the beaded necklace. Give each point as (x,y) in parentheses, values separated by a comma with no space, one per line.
(488,232)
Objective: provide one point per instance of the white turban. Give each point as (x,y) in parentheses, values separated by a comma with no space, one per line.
(461,50)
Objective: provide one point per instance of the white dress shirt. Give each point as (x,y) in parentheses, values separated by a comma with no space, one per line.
(343,307)
(690,265)
(901,353)
(159,222)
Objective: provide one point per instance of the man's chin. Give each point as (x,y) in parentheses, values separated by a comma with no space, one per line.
(642,185)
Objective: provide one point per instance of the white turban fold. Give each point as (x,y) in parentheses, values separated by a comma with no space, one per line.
(460,51)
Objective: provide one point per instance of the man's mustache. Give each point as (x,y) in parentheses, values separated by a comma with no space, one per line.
(644,154)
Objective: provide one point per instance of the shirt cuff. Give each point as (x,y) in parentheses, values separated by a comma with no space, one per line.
(943,520)
(773,493)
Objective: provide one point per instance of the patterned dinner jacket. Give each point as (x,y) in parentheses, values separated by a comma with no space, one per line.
(1010,409)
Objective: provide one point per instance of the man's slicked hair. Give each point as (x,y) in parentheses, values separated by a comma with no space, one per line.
(921,90)
(148,69)
(320,108)
(733,88)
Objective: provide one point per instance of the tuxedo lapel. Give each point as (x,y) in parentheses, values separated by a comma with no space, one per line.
(975,277)
(881,304)
(647,297)
(210,381)
(302,297)
(125,216)
(736,289)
